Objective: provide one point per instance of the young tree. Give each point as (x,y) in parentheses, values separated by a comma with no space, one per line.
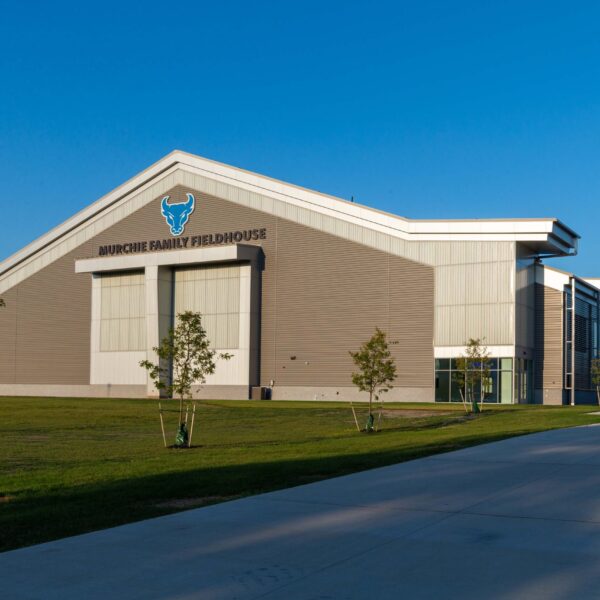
(185,358)
(474,367)
(460,378)
(376,369)
(595,371)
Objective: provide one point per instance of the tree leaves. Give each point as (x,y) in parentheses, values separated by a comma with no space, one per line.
(377,369)
(185,357)
(472,368)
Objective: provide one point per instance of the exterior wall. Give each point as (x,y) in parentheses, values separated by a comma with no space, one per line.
(549,344)
(474,291)
(525,302)
(73,391)
(550,396)
(474,279)
(327,297)
(45,328)
(117,367)
(345,393)
(222,294)
(8,337)
(586,335)
(321,296)
(333,271)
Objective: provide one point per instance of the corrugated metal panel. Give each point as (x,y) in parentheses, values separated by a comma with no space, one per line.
(330,295)
(213,291)
(494,323)
(477,285)
(8,336)
(525,304)
(548,338)
(52,344)
(123,312)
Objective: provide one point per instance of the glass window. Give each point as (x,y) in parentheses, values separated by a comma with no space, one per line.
(493,363)
(455,391)
(497,387)
(490,387)
(442,386)
(506,387)
(442,363)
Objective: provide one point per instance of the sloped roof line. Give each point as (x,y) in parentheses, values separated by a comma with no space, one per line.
(369,217)
(85,214)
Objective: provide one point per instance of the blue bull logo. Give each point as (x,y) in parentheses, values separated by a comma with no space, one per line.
(177,215)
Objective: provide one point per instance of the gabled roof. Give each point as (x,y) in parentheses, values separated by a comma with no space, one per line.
(545,236)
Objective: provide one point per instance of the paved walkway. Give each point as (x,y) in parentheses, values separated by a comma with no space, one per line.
(513,519)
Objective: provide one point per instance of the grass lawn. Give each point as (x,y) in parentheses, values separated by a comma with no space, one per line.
(68,466)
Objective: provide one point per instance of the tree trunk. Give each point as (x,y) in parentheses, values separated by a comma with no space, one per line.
(481,395)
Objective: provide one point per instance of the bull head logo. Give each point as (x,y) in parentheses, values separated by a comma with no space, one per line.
(177,215)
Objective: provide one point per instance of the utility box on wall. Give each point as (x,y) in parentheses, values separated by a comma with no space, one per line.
(261,393)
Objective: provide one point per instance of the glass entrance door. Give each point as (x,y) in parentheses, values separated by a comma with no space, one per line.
(523,379)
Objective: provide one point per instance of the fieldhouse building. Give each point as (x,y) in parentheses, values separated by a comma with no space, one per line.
(289,280)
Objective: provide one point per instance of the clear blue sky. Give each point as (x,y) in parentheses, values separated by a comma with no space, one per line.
(426,109)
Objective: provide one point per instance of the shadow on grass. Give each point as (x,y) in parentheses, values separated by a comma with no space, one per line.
(60,513)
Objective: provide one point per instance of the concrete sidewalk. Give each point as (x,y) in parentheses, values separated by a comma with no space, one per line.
(513,519)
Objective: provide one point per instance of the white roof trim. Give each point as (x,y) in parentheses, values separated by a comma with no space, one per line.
(182,168)
(595,281)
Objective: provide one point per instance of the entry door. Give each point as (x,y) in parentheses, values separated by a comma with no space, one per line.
(523,378)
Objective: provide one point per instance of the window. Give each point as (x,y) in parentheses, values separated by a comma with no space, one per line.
(498,387)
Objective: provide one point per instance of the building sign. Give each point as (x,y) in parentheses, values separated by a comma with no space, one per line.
(184,242)
(177,215)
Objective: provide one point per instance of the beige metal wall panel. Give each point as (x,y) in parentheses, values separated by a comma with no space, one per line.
(122,312)
(492,322)
(474,300)
(52,343)
(331,294)
(525,304)
(411,309)
(548,338)
(214,292)
(8,337)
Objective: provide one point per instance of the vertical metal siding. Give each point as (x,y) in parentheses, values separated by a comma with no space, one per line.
(548,338)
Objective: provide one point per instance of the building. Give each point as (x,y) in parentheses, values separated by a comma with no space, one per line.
(289,280)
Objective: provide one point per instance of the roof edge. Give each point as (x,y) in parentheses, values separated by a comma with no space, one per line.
(550,227)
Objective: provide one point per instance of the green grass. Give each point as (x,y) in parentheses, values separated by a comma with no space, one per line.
(68,466)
